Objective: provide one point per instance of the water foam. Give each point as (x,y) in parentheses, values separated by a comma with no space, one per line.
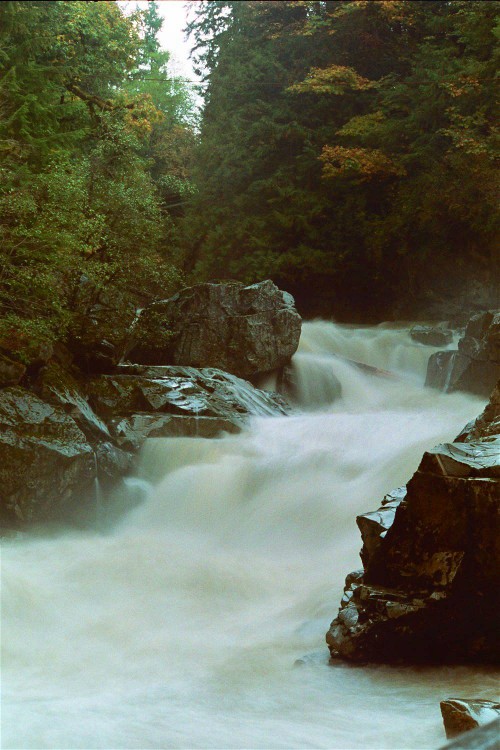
(180,626)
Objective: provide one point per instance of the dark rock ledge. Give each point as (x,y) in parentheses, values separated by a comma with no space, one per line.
(464,714)
(68,426)
(475,365)
(429,587)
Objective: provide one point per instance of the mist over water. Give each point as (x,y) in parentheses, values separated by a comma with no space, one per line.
(179,626)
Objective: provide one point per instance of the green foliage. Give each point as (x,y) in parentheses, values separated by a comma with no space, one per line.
(345,146)
(84,164)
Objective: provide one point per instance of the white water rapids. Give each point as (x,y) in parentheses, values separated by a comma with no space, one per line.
(179,626)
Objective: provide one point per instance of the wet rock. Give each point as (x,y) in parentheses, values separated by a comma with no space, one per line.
(374,525)
(59,387)
(131,432)
(426,593)
(487,425)
(475,366)
(182,391)
(439,370)
(245,330)
(431,336)
(461,715)
(11,372)
(47,467)
(482,738)
(112,462)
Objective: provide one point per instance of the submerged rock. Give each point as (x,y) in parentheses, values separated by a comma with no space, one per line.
(245,330)
(461,715)
(45,459)
(431,336)
(475,366)
(426,592)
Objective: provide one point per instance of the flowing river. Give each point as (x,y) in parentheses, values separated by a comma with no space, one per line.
(180,624)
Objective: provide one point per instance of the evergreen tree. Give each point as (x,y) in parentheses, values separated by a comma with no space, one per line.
(346,147)
(79,195)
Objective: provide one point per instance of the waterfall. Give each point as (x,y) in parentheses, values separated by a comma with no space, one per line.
(179,627)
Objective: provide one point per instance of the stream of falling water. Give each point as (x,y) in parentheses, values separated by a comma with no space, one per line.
(180,625)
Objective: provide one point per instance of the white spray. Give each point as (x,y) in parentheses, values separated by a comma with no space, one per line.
(180,627)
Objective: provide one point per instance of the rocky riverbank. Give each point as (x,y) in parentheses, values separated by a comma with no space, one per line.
(80,414)
(431,557)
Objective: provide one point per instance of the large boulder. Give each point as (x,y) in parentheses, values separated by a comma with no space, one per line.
(46,462)
(245,330)
(475,365)
(427,590)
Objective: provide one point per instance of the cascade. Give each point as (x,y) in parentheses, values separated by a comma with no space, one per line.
(179,626)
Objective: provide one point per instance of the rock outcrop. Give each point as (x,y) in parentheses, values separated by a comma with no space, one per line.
(431,335)
(475,365)
(461,715)
(45,459)
(52,448)
(180,390)
(427,589)
(482,738)
(81,416)
(245,330)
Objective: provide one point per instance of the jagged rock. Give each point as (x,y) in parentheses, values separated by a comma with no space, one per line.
(374,525)
(488,423)
(112,462)
(58,386)
(461,715)
(431,336)
(475,366)
(483,738)
(131,432)
(245,330)
(45,459)
(180,390)
(439,369)
(11,372)
(427,591)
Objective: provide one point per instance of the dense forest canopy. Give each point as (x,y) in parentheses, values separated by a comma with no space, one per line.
(346,150)
(95,140)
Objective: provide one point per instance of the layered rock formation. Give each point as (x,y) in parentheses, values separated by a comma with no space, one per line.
(475,365)
(427,588)
(82,416)
(245,330)
(51,451)
(44,458)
